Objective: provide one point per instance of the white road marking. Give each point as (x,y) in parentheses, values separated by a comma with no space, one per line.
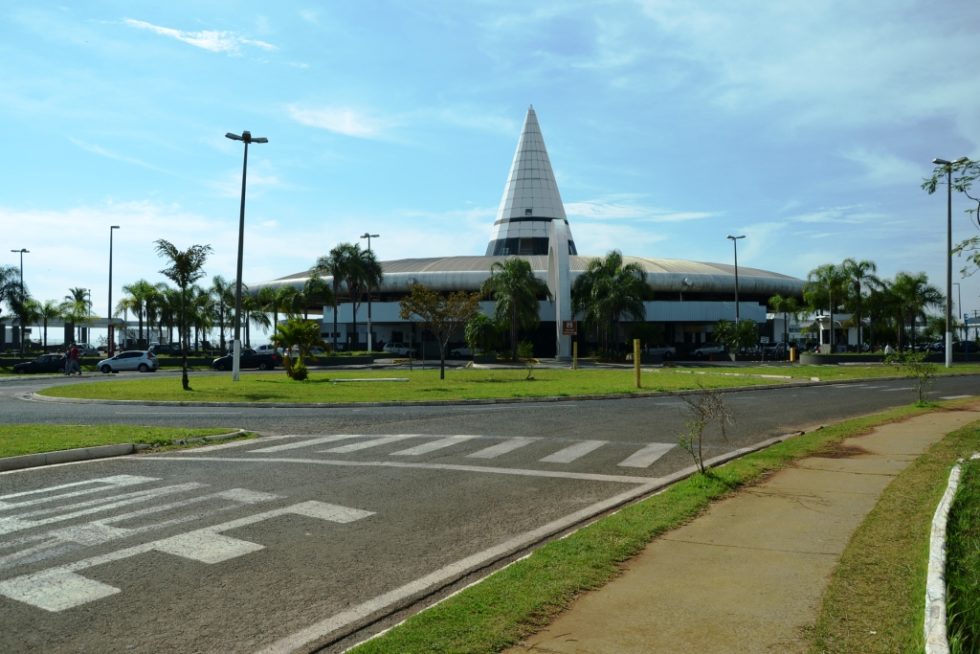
(896,390)
(18,523)
(307,442)
(647,456)
(60,588)
(955,397)
(97,486)
(519,472)
(508,445)
(432,446)
(573,452)
(366,444)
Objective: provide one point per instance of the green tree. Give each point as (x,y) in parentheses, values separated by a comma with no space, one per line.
(481,333)
(46,312)
(515,289)
(299,335)
(861,278)
(186,267)
(607,291)
(442,314)
(223,303)
(913,293)
(77,308)
(964,174)
(316,293)
(788,306)
(138,294)
(826,287)
(736,336)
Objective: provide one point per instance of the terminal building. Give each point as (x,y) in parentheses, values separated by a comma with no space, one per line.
(687,297)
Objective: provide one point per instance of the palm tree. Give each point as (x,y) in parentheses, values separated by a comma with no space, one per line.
(223,293)
(913,294)
(359,272)
(825,287)
(861,277)
(515,289)
(608,290)
(139,293)
(785,306)
(301,334)
(316,292)
(186,267)
(50,310)
(77,308)
(253,313)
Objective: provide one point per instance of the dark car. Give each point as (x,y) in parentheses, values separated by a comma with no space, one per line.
(249,359)
(44,363)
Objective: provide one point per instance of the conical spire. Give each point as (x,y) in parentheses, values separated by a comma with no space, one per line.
(530,200)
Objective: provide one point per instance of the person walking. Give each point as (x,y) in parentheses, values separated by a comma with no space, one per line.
(73,363)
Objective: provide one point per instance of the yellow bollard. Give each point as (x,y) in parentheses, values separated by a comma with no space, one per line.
(636,360)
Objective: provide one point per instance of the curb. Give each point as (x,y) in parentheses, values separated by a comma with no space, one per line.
(935,622)
(98,452)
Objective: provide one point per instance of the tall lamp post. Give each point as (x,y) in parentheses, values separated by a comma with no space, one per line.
(111,327)
(734,240)
(370,343)
(959,305)
(948,165)
(22,252)
(245,137)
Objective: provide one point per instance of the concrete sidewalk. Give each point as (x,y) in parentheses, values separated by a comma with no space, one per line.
(748,575)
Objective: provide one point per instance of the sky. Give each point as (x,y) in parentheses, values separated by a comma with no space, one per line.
(807,126)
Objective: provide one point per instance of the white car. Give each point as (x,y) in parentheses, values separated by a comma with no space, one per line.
(141,360)
(708,350)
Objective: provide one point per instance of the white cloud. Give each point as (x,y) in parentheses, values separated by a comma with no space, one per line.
(210,40)
(341,120)
(620,208)
(883,169)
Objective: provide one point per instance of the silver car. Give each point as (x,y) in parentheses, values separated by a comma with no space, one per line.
(141,360)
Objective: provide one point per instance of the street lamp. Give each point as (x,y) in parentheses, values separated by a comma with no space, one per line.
(959,305)
(370,343)
(22,252)
(734,240)
(111,327)
(949,252)
(245,137)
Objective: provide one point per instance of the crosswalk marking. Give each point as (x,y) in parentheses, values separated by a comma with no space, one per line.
(306,442)
(573,452)
(432,446)
(508,445)
(363,445)
(647,456)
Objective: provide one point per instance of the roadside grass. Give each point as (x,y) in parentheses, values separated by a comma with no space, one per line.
(963,563)
(460,384)
(514,602)
(16,440)
(876,599)
(401,385)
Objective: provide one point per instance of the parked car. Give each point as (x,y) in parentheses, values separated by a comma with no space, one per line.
(86,350)
(165,348)
(141,360)
(401,349)
(707,350)
(249,359)
(268,348)
(44,363)
(665,352)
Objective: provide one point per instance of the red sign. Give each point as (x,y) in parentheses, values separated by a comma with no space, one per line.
(569,328)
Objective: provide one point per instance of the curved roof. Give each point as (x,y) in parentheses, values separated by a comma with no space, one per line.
(467,273)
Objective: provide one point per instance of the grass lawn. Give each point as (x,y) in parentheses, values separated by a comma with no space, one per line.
(512,603)
(876,599)
(16,440)
(460,384)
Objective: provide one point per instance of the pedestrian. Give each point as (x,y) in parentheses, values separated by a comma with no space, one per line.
(73,364)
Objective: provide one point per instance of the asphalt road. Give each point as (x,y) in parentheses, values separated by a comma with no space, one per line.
(335,519)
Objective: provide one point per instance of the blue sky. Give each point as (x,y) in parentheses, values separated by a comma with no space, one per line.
(806,126)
